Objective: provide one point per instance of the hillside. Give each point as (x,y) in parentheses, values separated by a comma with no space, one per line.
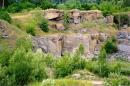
(9,34)
(65,43)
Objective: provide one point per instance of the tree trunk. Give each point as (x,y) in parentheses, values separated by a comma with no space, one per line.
(3,4)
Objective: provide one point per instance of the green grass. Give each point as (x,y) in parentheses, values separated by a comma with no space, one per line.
(64,82)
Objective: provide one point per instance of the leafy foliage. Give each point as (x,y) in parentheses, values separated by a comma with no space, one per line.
(31,30)
(110,46)
(66,20)
(17,7)
(67,64)
(25,43)
(5,16)
(44,25)
(117,80)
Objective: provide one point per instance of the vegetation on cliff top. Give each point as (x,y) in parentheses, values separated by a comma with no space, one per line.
(22,66)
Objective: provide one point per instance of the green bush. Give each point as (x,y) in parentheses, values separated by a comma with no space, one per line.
(68,63)
(4,57)
(44,25)
(62,6)
(18,7)
(31,30)
(46,4)
(5,79)
(49,60)
(20,67)
(63,66)
(103,66)
(110,46)
(72,4)
(5,16)
(108,7)
(66,20)
(38,66)
(117,80)
(24,42)
(99,67)
(85,6)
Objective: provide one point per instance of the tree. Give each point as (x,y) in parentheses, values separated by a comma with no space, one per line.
(126,3)
(3,4)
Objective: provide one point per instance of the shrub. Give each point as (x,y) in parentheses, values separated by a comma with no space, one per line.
(25,43)
(31,30)
(85,6)
(38,66)
(63,66)
(77,61)
(46,4)
(66,20)
(49,60)
(62,6)
(20,67)
(24,66)
(5,16)
(109,7)
(4,57)
(5,79)
(68,63)
(17,7)
(117,80)
(110,46)
(103,67)
(44,25)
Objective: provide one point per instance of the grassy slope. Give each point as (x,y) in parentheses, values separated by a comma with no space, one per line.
(13,32)
(22,20)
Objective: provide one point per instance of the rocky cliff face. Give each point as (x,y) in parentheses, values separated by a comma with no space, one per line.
(58,44)
(75,17)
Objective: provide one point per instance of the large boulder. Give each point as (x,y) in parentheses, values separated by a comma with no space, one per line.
(91,15)
(57,26)
(73,41)
(53,14)
(75,15)
(49,44)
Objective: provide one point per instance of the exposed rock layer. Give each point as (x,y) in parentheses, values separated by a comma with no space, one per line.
(60,44)
(75,17)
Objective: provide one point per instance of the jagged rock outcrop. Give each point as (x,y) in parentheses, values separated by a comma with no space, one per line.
(75,17)
(49,44)
(58,44)
(53,14)
(3,30)
(73,41)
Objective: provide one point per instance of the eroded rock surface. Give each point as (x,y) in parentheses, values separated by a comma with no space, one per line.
(76,16)
(58,44)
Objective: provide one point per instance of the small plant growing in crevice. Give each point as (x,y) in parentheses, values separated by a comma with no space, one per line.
(66,20)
